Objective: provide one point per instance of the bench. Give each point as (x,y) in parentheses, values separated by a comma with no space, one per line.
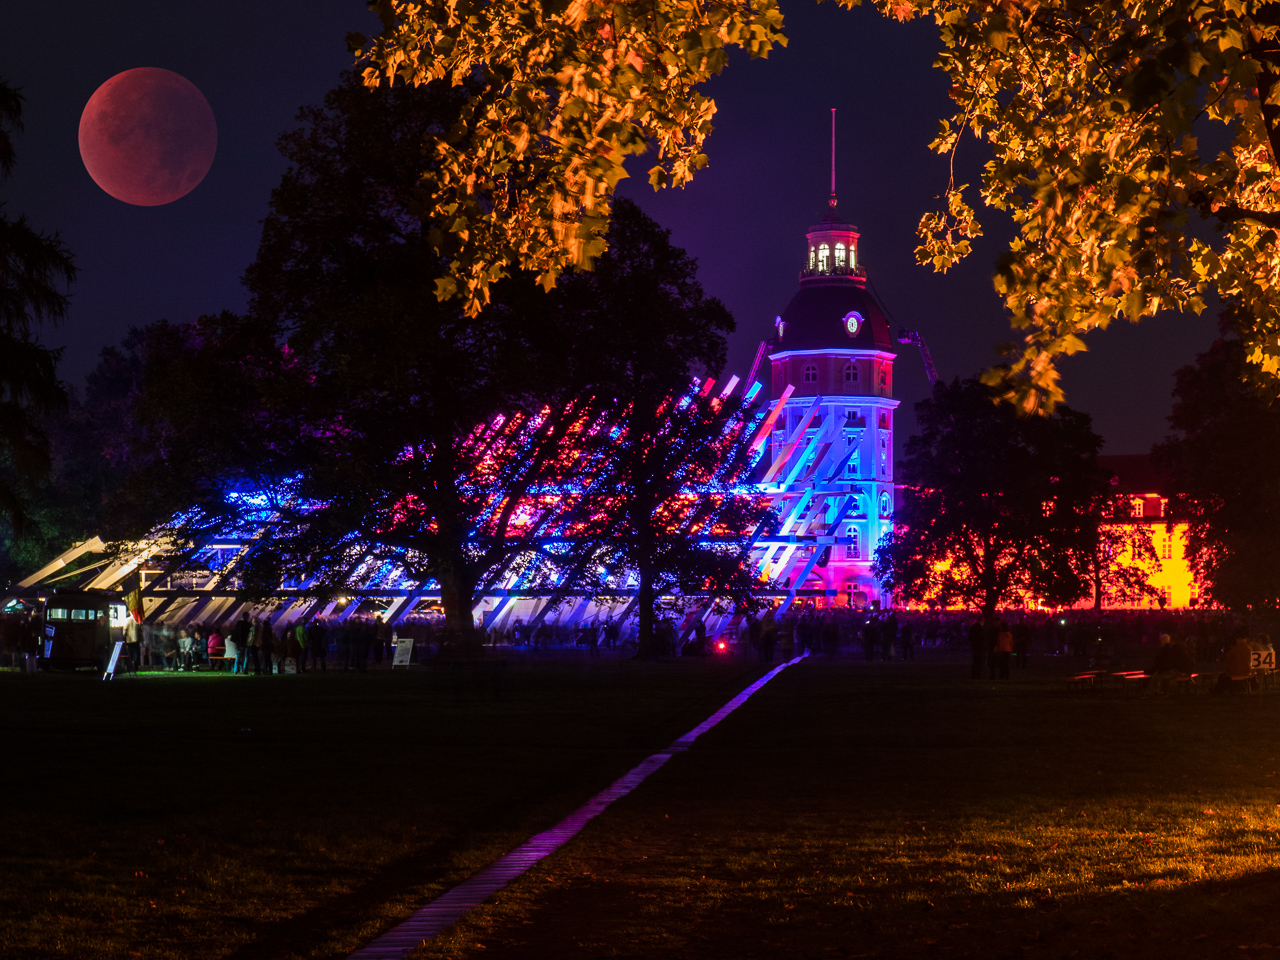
(1186,682)
(217,663)
(1134,679)
(1241,684)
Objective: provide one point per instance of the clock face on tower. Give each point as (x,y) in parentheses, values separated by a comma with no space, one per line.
(853,322)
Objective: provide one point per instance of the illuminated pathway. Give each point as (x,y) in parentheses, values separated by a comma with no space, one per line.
(448,908)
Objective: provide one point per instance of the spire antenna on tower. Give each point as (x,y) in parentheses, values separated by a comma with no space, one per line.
(832,201)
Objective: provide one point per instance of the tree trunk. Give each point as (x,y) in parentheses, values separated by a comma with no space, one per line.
(459,627)
(1267,54)
(990,591)
(989,610)
(646,641)
(646,537)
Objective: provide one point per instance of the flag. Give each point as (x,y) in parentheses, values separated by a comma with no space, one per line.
(133,600)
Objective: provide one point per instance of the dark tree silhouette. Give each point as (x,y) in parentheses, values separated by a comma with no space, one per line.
(669,510)
(998,507)
(366,418)
(393,384)
(1222,461)
(646,328)
(35,269)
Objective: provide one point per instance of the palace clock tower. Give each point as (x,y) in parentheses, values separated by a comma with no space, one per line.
(831,464)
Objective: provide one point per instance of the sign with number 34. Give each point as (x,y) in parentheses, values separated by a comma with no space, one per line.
(1263,660)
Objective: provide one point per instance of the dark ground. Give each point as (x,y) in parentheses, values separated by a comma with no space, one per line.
(900,810)
(848,810)
(201,816)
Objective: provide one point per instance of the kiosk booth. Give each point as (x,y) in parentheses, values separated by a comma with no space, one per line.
(79,630)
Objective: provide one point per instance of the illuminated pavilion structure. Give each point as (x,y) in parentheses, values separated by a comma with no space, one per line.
(828,474)
(189,576)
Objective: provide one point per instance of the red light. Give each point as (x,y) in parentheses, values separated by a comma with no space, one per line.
(721,645)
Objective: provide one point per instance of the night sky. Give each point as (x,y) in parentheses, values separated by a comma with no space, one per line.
(743,218)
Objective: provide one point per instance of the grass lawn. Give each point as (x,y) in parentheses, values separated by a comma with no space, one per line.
(209,816)
(901,810)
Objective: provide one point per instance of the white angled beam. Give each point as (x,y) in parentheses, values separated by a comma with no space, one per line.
(57,563)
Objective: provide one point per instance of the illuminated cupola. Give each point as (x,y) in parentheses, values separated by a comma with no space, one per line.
(833,249)
(833,311)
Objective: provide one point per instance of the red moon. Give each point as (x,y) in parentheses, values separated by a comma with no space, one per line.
(147,136)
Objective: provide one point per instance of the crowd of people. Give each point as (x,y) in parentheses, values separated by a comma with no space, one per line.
(1160,641)
(870,634)
(1107,640)
(254,645)
(543,635)
(19,637)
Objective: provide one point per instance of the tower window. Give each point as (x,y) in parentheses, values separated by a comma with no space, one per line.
(884,374)
(810,373)
(812,258)
(851,551)
(851,372)
(824,257)
(839,254)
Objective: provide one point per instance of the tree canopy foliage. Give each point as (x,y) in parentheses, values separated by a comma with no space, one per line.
(565,92)
(1133,143)
(35,270)
(998,508)
(1222,462)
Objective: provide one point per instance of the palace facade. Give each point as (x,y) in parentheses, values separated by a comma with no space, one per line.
(830,470)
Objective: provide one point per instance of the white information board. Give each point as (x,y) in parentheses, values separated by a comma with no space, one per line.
(115,658)
(404,650)
(1262,660)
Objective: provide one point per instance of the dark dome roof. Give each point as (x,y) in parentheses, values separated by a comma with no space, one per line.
(815,318)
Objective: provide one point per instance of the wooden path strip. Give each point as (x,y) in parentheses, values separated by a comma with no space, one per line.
(450,907)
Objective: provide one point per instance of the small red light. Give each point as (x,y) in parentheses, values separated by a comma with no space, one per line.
(721,645)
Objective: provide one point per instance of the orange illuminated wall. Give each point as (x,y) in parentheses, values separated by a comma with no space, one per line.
(1173,578)
(1134,476)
